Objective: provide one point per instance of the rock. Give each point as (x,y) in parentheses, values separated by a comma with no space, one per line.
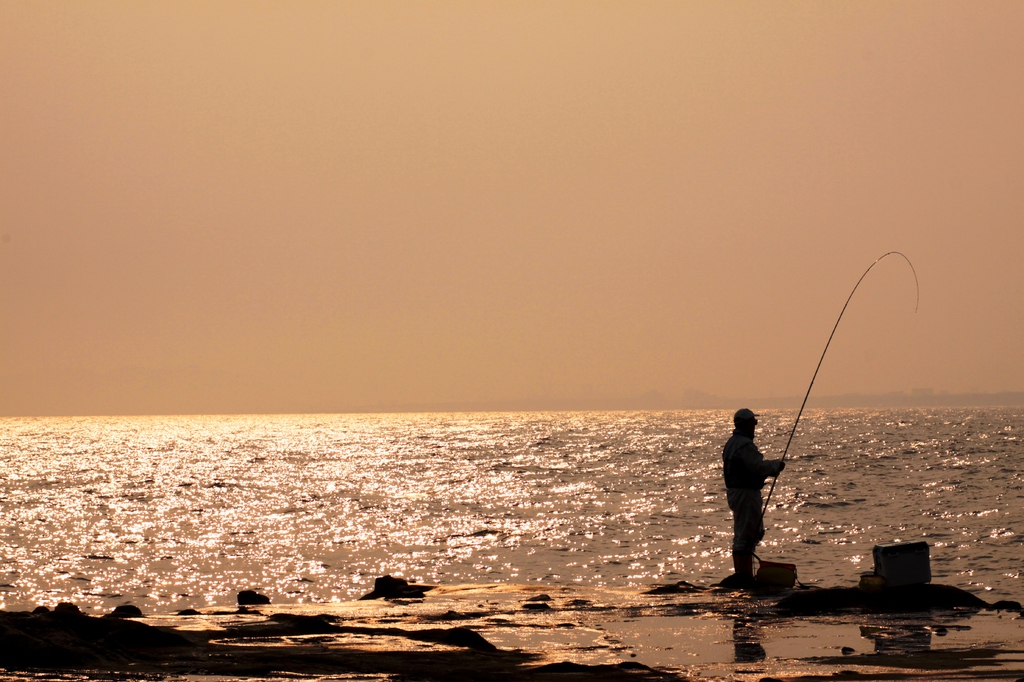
(305,625)
(65,637)
(848,650)
(291,625)
(536,606)
(571,667)
(681,587)
(1006,605)
(540,597)
(66,607)
(738,581)
(564,667)
(40,609)
(188,612)
(285,625)
(892,599)
(23,647)
(110,632)
(467,638)
(387,587)
(631,665)
(125,611)
(252,598)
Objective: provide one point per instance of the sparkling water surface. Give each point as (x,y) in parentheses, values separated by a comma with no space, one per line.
(176,512)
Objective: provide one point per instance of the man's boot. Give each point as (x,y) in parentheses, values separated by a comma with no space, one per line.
(743,564)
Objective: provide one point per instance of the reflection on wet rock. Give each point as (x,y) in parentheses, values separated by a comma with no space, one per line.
(746,639)
(898,639)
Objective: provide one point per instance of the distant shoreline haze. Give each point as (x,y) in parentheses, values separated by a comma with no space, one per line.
(651,401)
(656,401)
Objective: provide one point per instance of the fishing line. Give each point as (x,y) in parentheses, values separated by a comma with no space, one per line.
(820,360)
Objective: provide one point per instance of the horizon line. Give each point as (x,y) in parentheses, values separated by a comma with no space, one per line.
(648,402)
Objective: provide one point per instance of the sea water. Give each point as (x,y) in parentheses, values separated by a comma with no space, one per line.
(176,512)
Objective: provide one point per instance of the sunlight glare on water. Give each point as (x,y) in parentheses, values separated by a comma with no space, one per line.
(173,512)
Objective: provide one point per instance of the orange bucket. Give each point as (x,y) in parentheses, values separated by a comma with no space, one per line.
(774,573)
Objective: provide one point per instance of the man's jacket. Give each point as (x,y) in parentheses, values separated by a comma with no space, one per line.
(744,465)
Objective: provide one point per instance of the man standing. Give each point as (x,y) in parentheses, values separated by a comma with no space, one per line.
(745,471)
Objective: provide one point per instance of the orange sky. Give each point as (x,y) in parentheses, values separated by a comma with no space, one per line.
(290,207)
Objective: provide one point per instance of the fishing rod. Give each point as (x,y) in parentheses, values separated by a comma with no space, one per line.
(820,360)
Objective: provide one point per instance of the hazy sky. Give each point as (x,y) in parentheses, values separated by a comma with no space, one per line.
(291,207)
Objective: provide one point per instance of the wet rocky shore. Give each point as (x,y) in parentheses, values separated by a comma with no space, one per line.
(510,632)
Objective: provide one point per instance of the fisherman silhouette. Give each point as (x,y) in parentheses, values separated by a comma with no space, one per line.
(745,470)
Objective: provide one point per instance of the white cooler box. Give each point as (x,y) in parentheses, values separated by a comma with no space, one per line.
(903,563)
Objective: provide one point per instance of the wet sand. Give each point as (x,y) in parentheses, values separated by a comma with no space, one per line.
(509,632)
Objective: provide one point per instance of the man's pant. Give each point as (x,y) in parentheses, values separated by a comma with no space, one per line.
(747,529)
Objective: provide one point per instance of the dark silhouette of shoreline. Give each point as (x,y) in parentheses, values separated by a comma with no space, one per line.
(704,401)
